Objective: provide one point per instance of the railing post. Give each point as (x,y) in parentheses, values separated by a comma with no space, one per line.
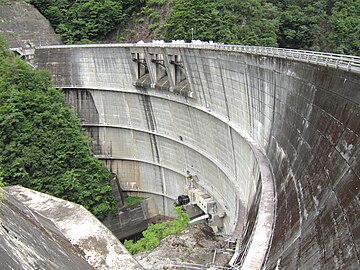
(348,66)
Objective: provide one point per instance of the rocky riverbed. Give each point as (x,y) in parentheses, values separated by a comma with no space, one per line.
(197,246)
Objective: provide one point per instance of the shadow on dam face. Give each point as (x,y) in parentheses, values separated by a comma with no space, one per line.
(274,142)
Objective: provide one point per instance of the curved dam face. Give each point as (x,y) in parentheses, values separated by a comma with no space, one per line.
(273,142)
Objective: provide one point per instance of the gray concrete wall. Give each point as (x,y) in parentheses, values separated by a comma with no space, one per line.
(236,116)
(133,219)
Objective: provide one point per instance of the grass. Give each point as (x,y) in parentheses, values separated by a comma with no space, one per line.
(131,200)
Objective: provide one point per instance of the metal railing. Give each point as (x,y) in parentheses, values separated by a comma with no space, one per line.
(345,62)
(338,61)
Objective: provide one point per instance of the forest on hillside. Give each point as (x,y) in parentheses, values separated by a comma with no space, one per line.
(325,25)
(42,143)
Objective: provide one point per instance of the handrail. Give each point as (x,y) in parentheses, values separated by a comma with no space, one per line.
(339,61)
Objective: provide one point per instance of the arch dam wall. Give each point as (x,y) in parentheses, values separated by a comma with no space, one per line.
(274,141)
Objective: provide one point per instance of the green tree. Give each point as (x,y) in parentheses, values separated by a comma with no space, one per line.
(257,22)
(344,27)
(301,23)
(132,6)
(42,144)
(54,10)
(252,22)
(193,19)
(82,21)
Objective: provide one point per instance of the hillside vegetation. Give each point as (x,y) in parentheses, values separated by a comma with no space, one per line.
(326,25)
(42,145)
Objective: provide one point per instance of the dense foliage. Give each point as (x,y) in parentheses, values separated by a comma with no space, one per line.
(230,21)
(156,232)
(344,25)
(327,25)
(42,145)
(81,21)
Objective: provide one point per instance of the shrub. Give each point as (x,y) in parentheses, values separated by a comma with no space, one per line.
(156,232)
(42,143)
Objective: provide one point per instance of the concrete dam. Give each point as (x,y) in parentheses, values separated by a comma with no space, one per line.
(264,140)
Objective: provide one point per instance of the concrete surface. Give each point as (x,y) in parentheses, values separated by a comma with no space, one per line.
(51,233)
(133,219)
(237,121)
(31,241)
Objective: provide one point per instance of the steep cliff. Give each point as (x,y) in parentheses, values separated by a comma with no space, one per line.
(21,23)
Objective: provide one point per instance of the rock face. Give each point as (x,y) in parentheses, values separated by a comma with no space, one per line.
(39,231)
(22,23)
(31,241)
(194,246)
